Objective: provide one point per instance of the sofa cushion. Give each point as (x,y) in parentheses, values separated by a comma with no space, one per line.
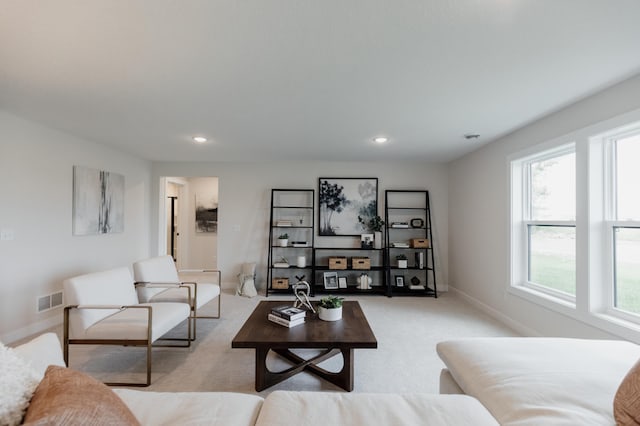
(65,396)
(626,404)
(180,408)
(333,408)
(534,381)
(41,352)
(18,381)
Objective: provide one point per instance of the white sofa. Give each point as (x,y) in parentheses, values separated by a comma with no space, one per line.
(226,408)
(539,381)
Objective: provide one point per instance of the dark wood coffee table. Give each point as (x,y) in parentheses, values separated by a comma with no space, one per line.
(351,332)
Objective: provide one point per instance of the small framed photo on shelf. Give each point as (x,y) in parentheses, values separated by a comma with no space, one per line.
(331,280)
(366,241)
(399,280)
(342,282)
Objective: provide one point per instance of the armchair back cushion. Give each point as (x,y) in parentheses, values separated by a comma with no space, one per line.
(159,269)
(112,287)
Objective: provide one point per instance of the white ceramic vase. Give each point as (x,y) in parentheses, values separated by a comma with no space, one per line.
(333,314)
(377,240)
(302,262)
(283,242)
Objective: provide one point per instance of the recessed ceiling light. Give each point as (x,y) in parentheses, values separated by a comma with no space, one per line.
(199,139)
(380,139)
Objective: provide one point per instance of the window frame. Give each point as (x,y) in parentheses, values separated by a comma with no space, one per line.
(594,285)
(522,222)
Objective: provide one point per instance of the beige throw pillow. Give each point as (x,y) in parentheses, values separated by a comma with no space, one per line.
(626,404)
(66,396)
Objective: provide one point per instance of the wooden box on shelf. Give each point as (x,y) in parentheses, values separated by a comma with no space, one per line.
(419,243)
(338,262)
(360,263)
(280,283)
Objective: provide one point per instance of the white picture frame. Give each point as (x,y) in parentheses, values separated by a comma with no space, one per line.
(330,280)
(342,282)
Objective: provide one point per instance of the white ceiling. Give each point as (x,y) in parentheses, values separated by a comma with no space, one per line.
(301,79)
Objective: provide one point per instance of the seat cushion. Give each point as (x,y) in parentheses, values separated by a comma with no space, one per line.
(192,408)
(132,323)
(534,381)
(333,408)
(206,293)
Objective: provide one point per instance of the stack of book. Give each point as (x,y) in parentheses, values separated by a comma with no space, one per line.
(287,316)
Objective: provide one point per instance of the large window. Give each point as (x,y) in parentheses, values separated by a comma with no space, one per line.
(625,221)
(548,222)
(575,225)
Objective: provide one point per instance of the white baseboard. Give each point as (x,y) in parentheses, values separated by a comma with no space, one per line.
(517,326)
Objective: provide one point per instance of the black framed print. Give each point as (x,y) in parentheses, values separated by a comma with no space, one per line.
(342,201)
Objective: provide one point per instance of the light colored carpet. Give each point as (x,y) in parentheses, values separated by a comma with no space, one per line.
(407,330)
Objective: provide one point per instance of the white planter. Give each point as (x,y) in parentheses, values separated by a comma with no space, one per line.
(377,240)
(302,262)
(334,314)
(402,264)
(283,242)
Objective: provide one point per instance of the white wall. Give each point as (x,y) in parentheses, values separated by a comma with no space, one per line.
(36,176)
(479,214)
(244,202)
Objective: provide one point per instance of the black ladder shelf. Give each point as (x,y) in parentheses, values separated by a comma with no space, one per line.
(409,234)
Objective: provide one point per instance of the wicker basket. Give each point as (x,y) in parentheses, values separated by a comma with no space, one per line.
(360,263)
(280,283)
(338,262)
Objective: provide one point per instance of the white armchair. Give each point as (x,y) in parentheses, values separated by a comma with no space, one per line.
(162,270)
(103,309)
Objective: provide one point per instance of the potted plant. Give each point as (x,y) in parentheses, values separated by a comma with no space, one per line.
(374,225)
(402,261)
(330,308)
(283,239)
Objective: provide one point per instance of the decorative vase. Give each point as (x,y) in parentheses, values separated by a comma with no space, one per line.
(402,263)
(365,282)
(333,314)
(283,242)
(302,262)
(377,239)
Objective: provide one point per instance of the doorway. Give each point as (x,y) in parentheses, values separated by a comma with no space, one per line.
(189,231)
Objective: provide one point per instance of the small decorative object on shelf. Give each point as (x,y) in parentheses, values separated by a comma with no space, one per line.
(342,282)
(366,241)
(283,239)
(284,223)
(330,308)
(364,282)
(399,280)
(417,223)
(301,262)
(375,225)
(283,263)
(402,261)
(416,284)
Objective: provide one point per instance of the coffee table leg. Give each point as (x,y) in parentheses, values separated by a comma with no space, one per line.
(343,378)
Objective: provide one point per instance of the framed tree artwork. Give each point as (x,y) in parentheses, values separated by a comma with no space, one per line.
(342,201)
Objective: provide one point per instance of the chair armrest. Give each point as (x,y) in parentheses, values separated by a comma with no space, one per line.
(149,284)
